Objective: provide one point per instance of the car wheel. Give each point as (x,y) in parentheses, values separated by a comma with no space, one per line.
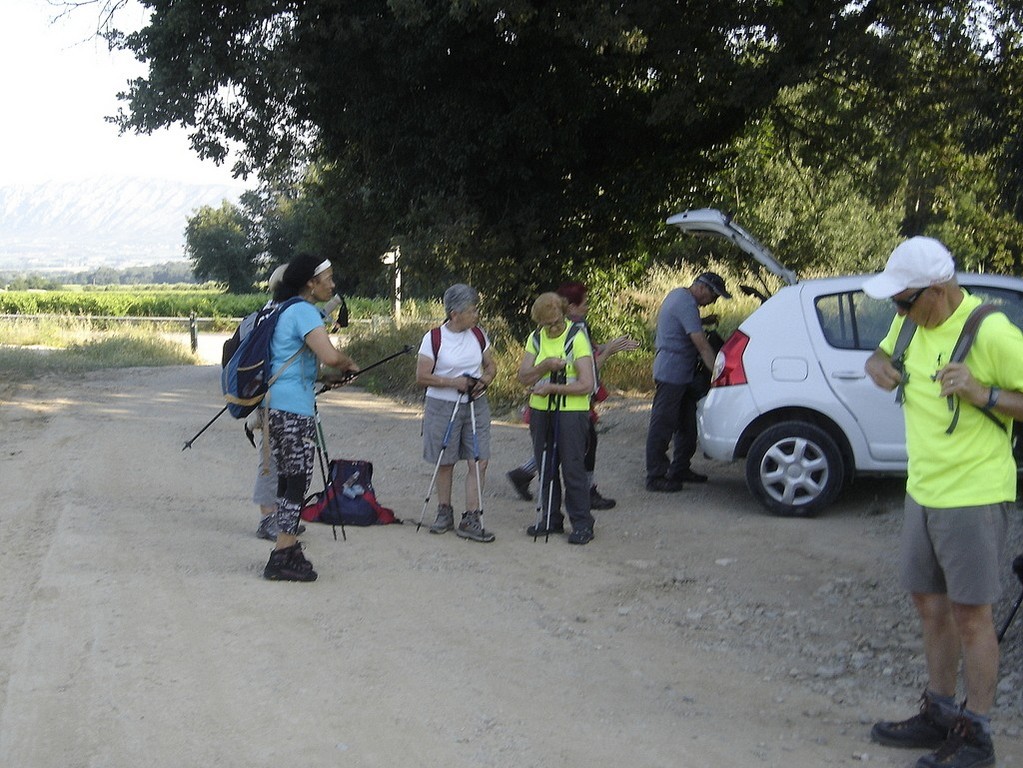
(795,469)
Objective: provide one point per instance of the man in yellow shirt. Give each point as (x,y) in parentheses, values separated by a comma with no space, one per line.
(961,482)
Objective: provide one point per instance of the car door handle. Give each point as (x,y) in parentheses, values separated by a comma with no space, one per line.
(849,375)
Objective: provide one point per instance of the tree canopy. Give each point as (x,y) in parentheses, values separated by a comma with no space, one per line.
(513,143)
(217,243)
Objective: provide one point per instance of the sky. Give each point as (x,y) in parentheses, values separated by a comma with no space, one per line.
(56,87)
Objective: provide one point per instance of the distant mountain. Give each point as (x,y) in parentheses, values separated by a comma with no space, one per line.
(100,222)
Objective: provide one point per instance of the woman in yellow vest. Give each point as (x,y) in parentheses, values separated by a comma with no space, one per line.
(558,368)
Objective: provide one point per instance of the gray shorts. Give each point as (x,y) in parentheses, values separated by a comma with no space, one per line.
(955,552)
(264,490)
(437,416)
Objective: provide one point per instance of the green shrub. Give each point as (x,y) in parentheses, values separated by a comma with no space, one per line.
(628,372)
(398,378)
(114,350)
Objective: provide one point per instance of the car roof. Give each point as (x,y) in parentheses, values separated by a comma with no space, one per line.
(841,283)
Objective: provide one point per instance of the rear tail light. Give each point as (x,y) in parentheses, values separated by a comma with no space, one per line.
(728,370)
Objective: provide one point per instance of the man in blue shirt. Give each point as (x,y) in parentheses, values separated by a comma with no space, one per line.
(680,342)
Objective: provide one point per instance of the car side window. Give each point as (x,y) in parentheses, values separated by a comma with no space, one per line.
(1008,301)
(853,320)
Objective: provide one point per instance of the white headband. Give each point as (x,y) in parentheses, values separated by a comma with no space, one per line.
(322,268)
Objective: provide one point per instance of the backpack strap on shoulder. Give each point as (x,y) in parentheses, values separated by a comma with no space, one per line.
(478,333)
(435,342)
(959,352)
(535,337)
(435,345)
(573,330)
(899,357)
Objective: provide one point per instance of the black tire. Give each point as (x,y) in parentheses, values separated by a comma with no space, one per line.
(795,469)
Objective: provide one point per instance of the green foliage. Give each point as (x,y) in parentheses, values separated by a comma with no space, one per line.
(121,303)
(398,378)
(509,144)
(217,243)
(32,282)
(171,274)
(626,372)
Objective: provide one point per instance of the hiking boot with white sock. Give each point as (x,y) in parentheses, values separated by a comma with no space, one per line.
(926,730)
(967,746)
(445,519)
(472,528)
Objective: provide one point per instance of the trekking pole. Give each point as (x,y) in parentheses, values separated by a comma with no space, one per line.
(321,451)
(548,465)
(544,473)
(556,378)
(352,374)
(1017,568)
(347,378)
(436,469)
(475,442)
(188,443)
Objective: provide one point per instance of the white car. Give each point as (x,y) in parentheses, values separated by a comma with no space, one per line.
(789,394)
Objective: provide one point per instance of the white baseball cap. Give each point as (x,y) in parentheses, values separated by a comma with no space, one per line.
(276,276)
(918,262)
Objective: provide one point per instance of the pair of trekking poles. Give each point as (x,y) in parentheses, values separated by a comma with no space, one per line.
(549,460)
(444,445)
(547,468)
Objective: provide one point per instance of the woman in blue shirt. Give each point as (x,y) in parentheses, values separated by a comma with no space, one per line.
(300,343)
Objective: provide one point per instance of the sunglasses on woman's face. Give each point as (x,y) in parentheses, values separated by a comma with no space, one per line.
(907,304)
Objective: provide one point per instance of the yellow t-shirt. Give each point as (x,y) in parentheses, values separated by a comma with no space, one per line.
(555,347)
(973,465)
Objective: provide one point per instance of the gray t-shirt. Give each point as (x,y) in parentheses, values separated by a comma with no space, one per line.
(676,355)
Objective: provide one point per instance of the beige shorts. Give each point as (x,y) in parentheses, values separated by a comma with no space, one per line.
(955,552)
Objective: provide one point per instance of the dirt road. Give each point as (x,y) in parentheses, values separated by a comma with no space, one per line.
(694,631)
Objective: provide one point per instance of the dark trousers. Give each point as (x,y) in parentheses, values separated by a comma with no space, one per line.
(567,454)
(672,420)
(591,447)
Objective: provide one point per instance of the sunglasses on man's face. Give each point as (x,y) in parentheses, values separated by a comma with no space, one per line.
(907,304)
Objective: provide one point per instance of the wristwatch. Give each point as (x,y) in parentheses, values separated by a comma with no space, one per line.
(992,399)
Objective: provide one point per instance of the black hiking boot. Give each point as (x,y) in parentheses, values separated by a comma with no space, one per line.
(521,479)
(600,502)
(580,536)
(289,564)
(967,746)
(926,730)
(663,485)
